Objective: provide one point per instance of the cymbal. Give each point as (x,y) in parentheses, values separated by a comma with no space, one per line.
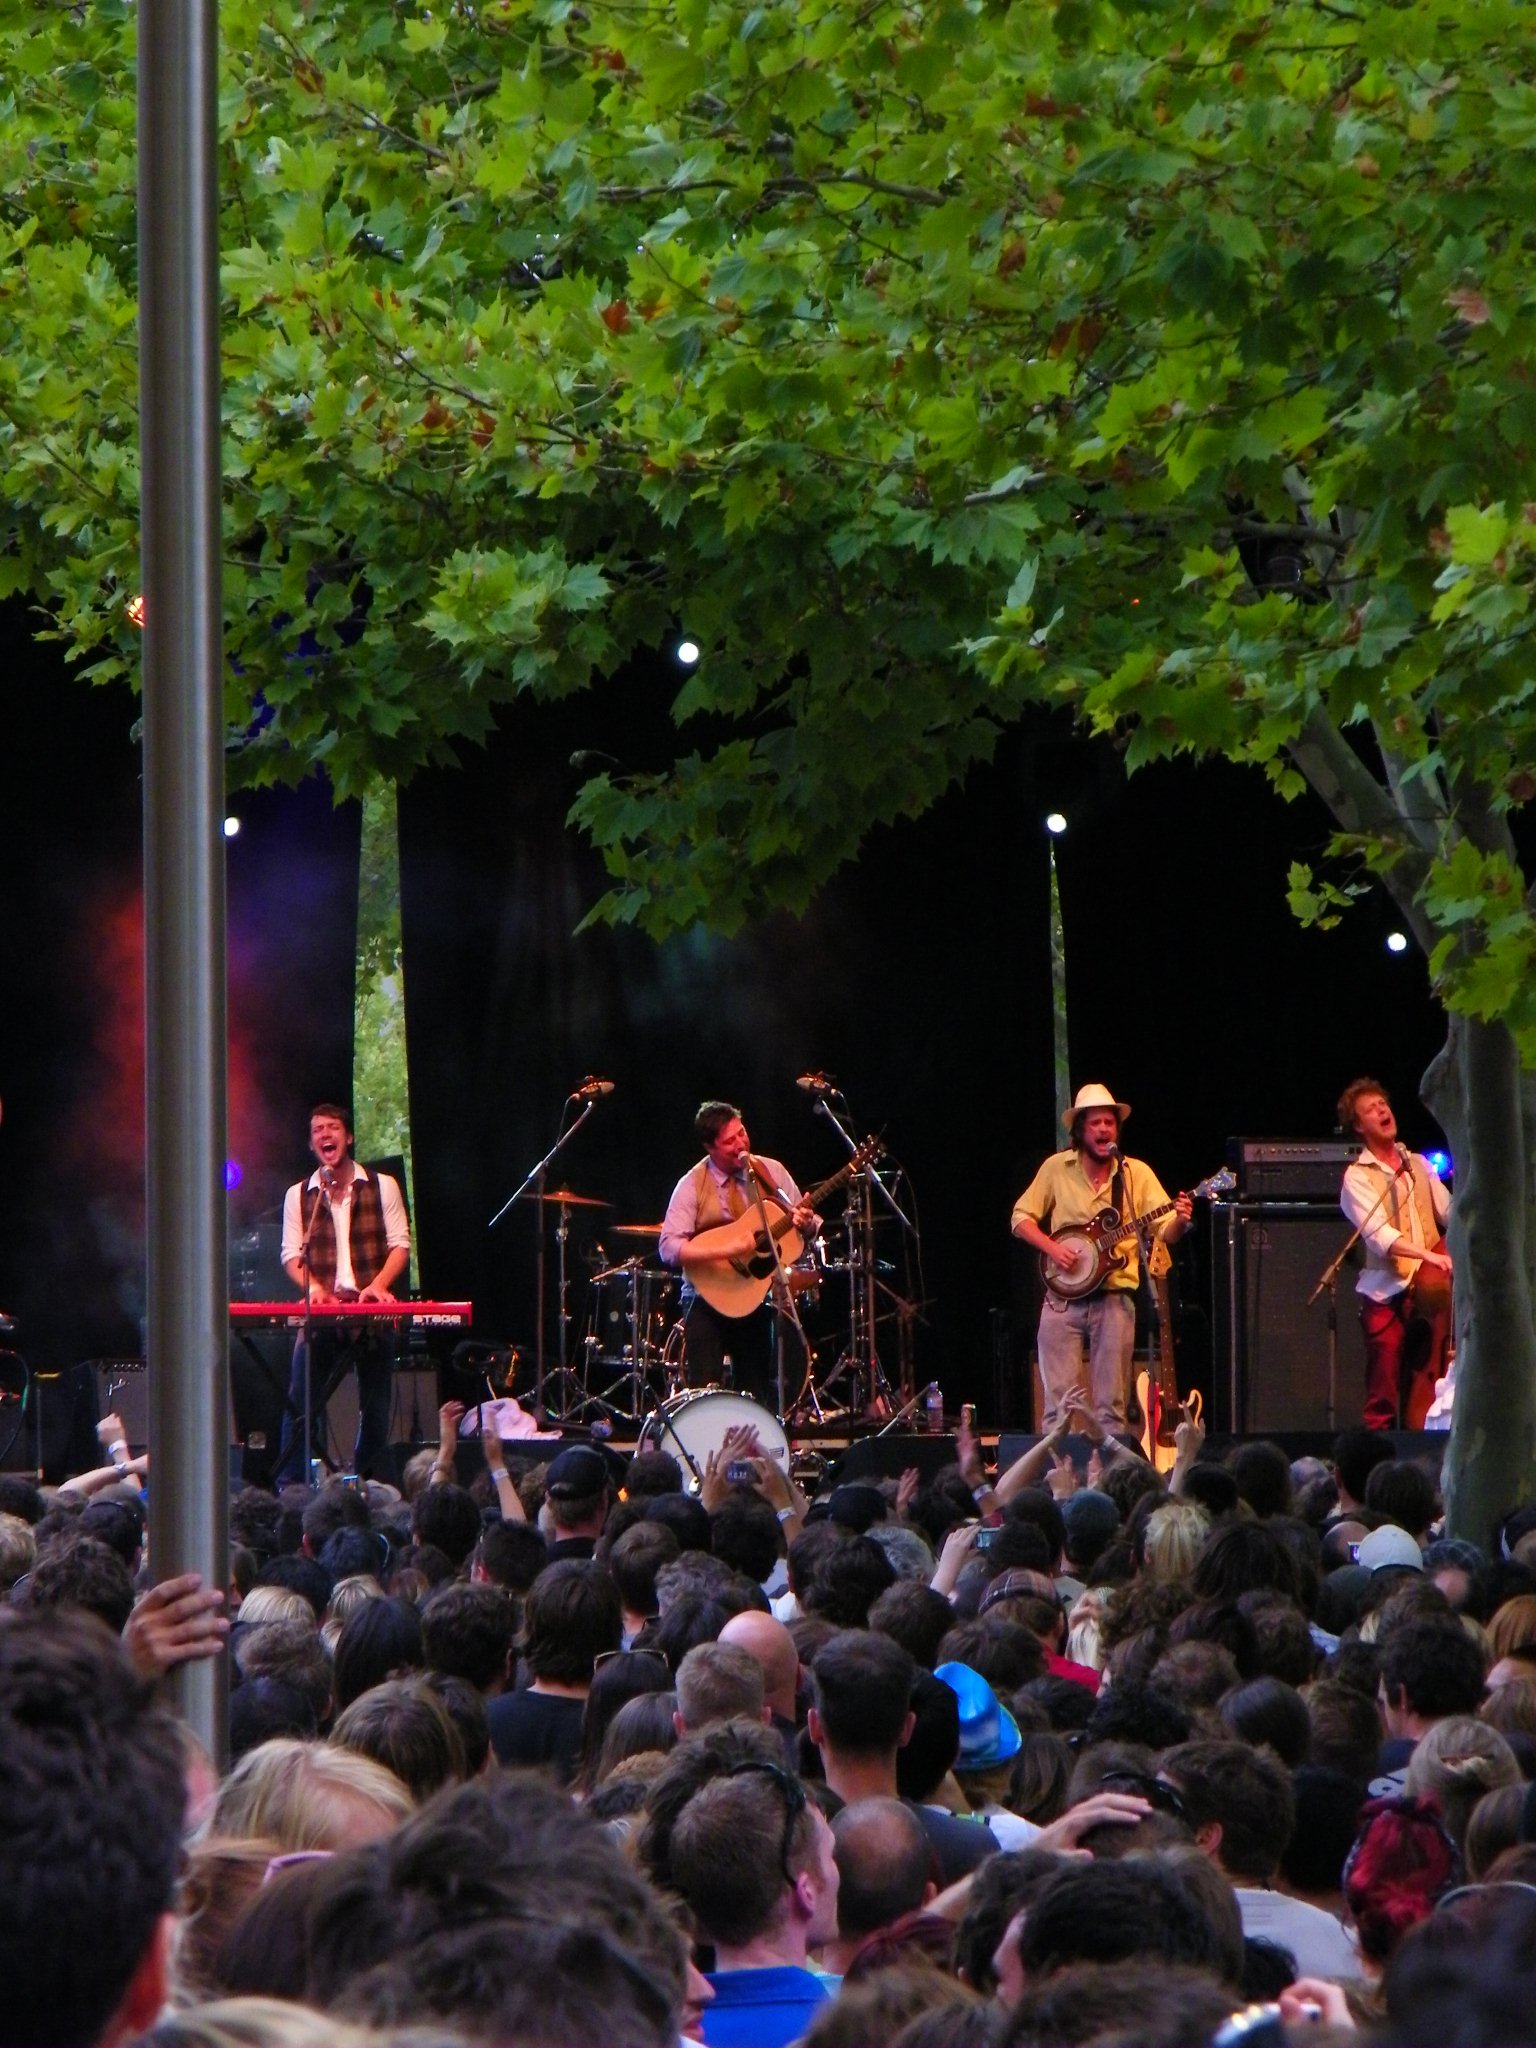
(569,1199)
(635,1229)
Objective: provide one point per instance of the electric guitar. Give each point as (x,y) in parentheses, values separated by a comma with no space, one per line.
(1093,1243)
(1159,1398)
(732,1265)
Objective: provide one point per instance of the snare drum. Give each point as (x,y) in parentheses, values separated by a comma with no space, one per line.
(693,1426)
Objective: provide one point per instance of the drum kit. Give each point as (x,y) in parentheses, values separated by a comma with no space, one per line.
(629,1364)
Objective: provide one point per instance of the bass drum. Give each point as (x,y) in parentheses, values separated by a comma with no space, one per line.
(692,1426)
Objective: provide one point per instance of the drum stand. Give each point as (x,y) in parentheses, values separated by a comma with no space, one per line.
(637,1354)
(532,1187)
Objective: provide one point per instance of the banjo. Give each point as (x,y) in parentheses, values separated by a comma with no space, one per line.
(1094,1242)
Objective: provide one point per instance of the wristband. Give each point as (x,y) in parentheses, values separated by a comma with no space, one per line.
(979,1493)
(785,1514)
(113,1449)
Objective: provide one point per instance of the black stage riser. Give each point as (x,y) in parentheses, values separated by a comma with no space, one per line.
(1427,1446)
(887,1457)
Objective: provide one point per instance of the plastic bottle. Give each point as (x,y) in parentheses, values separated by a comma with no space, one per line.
(933,1409)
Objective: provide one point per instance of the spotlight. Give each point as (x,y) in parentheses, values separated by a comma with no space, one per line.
(231,827)
(1397,942)
(687,652)
(234,1173)
(1055,824)
(1441,1162)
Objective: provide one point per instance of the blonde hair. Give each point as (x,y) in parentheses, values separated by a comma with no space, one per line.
(1454,1763)
(256,2023)
(18,1550)
(275,1603)
(1511,1708)
(309,1795)
(1173,1537)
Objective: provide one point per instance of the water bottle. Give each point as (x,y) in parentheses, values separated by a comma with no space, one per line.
(933,1409)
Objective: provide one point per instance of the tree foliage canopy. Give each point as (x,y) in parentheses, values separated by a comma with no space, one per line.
(1168,361)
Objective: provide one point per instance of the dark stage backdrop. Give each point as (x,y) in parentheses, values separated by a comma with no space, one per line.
(920,980)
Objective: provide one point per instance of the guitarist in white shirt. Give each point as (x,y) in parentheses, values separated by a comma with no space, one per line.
(716,1190)
(1090,1340)
(1400,1206)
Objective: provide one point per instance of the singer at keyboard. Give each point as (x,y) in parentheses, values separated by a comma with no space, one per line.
(345,1238)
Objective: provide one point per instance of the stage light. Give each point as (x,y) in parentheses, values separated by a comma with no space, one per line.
(231,827)
(1055,824)
(687,652)
(1441,1162)
(233,1175)
(135,611)
(1397,942)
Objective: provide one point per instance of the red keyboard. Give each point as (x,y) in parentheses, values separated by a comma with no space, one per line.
(422,1315)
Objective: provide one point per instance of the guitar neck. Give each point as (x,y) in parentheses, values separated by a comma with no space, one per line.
(1147,1216)
(814,1196)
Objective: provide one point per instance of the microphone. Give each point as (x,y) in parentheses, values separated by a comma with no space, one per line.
(1404,1161)
(328,1179)
(817,1083)
(590,1089)
(1111,1150)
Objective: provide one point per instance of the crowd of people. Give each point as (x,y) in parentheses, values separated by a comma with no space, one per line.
(555,1754)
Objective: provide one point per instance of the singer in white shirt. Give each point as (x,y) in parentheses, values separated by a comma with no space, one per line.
(346,1238)
(1400,1206)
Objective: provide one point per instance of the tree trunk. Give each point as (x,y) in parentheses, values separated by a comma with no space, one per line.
(1487,1107)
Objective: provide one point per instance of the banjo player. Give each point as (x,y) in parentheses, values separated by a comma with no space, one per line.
(1087,1329)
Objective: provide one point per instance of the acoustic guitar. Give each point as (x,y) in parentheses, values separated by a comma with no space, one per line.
(732,1265)
(1094,1242)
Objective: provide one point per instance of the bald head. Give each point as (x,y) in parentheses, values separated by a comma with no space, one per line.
(883,1864)
(771,1643)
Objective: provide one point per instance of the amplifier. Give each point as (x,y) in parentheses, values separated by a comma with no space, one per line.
(1290,1169)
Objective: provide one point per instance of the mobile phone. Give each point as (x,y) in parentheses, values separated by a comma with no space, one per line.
(740,1469)
(985,1538)
(1354,1553)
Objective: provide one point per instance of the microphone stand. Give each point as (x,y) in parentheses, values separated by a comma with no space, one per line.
(665,1427)
(322,1194)
(536,1175)
(1329,1278)
(783,1294)
(864,1303)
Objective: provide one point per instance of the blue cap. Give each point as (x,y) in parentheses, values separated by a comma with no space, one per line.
(988,1732)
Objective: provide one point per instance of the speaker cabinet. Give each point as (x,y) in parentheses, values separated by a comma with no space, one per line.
(1273,1350)
(122,1389)
(54,1431)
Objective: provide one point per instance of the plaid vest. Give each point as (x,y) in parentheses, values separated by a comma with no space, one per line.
(370,1247)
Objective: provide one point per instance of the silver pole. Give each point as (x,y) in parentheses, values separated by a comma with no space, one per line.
(188,1320)
(1061,1064)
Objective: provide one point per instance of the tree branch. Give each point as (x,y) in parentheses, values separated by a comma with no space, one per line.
(1335,772)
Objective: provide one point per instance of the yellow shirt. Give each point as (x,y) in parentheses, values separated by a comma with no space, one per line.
(1061,1195)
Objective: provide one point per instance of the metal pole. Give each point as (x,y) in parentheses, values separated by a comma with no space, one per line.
(188,1323)
(1060,1061)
